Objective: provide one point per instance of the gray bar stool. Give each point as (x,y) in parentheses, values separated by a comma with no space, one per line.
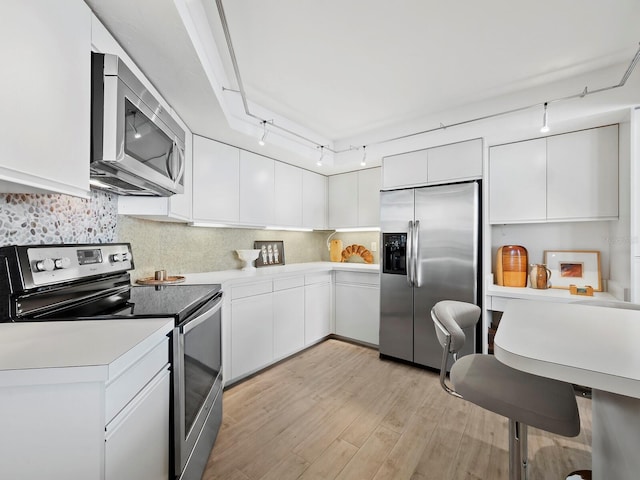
(523,398)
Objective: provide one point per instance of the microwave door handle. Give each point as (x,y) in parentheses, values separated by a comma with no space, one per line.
(409,254)
(182,160)
(175,150)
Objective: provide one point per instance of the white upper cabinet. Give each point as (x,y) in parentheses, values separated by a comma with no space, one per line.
(314,200)
(256,189)
(458,161)
(582,175)
(343,200)
(369,198)
(45,119)
(447,163)
(288,195)
(407,169)
(216,181)
(568,177)
(354,199)
(517,182)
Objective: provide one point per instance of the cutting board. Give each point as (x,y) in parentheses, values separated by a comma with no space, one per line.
(335,250)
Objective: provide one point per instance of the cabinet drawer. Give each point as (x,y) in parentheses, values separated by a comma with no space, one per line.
(358,277)
(498,304)
(126,386)
(312,278)
(286,283)
(251,290)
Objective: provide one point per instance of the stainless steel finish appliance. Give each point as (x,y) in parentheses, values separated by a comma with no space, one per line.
(137,148)
(430,238)
(91,281)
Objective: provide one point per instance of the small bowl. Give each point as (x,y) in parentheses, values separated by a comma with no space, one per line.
(248,256)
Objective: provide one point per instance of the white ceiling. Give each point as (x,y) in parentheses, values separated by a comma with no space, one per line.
(368,69)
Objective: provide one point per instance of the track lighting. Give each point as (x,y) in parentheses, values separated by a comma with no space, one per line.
(319,162)
(363,162)
(264,133)
(545,120)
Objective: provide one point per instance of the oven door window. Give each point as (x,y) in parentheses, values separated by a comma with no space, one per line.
(145,141)
(202,363)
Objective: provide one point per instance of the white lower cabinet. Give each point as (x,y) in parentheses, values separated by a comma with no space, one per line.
(288,319)
(137,439)
(317,307)
(357,306)
(251,334)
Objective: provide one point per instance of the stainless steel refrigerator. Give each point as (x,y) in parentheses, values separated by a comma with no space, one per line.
(430,239)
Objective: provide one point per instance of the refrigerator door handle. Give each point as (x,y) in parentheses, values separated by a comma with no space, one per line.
(417,269)
(409,254)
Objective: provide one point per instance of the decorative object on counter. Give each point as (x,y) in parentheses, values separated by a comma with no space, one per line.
(539,276)
(358,250)
(271,253)
(247,257)
(160,278)
(511,266)
(586,291)
(335,251)
(579,267)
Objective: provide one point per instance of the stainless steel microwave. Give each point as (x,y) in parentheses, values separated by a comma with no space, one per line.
(137,148)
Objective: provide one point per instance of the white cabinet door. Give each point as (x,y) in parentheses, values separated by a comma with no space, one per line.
(256,189)
(216,181)
(314,200)
(517,182)
(582,175)
(405,170)
(317,312)
(251,334)
(288,195)
(358,312)
(369,198)
(457,161)
(343,200)
(288,321)
(45,121)
(137,440)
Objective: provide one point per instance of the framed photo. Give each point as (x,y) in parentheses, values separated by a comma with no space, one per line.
(568,267)
(271,253)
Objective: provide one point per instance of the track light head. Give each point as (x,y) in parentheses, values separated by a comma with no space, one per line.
(363,162)
(545,120)
(264,133)
(319,162)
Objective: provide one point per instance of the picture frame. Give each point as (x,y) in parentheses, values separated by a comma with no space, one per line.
(574,267)
(272,253)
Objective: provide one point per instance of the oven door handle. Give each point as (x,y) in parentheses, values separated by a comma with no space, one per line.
(187,327)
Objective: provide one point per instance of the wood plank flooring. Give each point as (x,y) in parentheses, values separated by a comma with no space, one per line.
(336,411)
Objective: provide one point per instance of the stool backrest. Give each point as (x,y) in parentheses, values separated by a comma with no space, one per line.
(450,317)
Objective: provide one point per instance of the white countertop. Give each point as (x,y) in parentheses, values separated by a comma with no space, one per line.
(230,277)
(559,295)
(73,350)
(581,344)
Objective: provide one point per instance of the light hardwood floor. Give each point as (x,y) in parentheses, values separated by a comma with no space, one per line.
(337,411)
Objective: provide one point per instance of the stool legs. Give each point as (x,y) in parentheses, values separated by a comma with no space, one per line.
(518,460)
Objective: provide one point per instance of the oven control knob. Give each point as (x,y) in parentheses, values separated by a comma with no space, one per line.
(45,265)
(64,262)
(118,257)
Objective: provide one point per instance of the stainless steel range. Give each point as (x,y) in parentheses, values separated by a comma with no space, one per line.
(92,281)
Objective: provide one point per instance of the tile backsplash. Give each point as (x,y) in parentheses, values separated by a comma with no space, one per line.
(52,218)
(178,248)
